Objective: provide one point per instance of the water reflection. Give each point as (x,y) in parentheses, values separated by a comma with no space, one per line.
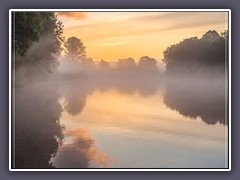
(103,118)
(75,92)
(80,151)
(75,95)
(37,128)
(192,98)
(75,98)
(198,98)
(139,132)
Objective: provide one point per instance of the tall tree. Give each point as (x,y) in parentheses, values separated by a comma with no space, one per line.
(75,49)
(36,56)
(26,29)
(53,29)
(211,36)
(194,55)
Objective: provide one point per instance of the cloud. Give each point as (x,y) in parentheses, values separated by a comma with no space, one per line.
(72,15)
(176,16)
(81,152)
(134,26)
(187,25)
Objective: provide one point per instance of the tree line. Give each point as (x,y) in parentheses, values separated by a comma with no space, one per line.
(75,51)
(38,36)
(198,55)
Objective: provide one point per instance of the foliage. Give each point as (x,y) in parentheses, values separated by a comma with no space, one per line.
(103,65)
(193,54)
(29,26)
(148,64)
(126,64)
(42,51)
(75,49)
(53,29)
(88,64)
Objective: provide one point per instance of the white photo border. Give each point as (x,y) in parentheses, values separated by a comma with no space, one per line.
(11,76)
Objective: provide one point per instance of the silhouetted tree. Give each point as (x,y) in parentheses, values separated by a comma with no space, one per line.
(148,64)
(225,34)
(88,63)
(27,28)
(103,65)
(75,49)
(211,36)
(39,56)
(126,64)
(197,55)
(53,29)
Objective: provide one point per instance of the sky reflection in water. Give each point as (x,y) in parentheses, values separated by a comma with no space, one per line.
(108,128)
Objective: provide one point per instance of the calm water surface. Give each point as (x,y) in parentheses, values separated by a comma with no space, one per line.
(134,130)
(117,127)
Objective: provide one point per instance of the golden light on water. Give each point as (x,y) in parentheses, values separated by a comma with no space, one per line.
(114,113)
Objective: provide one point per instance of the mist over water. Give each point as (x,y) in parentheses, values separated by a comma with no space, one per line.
(83,118)
(71,111)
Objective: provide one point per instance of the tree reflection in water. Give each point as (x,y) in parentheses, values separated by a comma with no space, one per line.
(198,98)
(191,97)
(75,95)
(38,131)
(37,128)
(75,92)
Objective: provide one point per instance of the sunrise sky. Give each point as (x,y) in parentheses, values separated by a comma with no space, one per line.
(114,35)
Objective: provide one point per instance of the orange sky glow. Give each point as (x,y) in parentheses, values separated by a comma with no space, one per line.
(114,35)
